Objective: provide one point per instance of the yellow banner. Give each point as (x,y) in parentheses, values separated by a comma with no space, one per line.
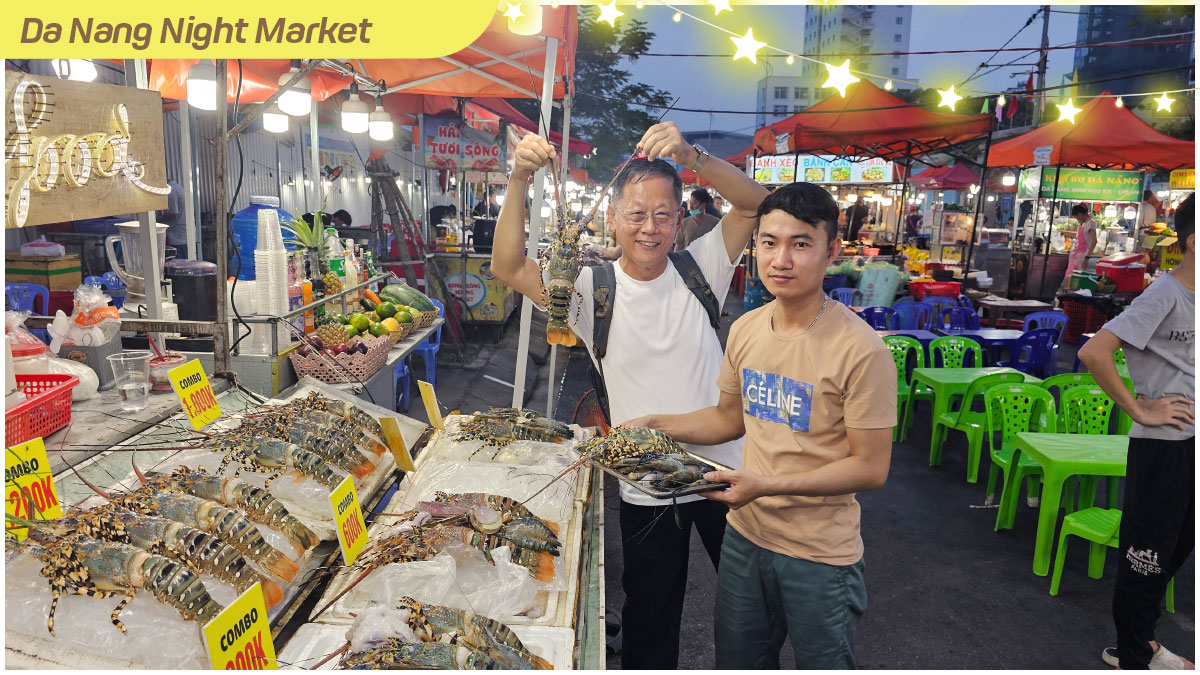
(395,441)
(239,638)
(351,528)
(196,395)
(1183,179)
(228,29)
(29,486)
(431,403)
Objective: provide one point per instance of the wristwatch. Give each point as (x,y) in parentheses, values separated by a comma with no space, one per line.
(701,159)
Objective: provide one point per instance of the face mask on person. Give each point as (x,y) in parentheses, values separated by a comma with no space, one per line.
(694,212)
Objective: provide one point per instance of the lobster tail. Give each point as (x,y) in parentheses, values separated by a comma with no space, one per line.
(560,335)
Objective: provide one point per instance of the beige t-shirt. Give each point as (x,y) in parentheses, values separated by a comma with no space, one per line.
(799,394)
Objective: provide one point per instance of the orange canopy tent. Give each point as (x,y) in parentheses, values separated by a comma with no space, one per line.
(869,122)
(1104,136)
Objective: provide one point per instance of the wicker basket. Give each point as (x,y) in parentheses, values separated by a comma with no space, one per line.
(361,365)
(425,319)
(399,334)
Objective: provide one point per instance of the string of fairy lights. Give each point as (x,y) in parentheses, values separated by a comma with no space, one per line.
(747,47)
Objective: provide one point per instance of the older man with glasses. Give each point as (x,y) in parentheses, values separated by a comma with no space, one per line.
(661,354)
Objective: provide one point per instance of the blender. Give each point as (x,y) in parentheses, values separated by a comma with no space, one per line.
(133,269)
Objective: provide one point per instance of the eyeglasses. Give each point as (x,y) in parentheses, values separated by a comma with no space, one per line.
(661,218)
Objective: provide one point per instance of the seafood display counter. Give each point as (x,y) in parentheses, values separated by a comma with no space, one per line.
(488,555)
(174,524)
(492,544)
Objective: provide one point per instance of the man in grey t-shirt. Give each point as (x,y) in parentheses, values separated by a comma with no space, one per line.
(1157,333)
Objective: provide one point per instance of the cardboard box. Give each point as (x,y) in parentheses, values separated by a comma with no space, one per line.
(56,274)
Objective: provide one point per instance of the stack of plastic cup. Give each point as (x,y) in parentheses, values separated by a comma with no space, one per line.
(270,269)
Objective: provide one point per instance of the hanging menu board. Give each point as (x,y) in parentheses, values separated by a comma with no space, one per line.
(823,169)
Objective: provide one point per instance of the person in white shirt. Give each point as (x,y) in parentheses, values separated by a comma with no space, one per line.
(662,355)
(1149,213)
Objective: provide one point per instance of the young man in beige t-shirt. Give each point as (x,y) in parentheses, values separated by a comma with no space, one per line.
(813,389)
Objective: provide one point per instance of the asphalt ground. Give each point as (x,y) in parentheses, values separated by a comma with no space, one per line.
(945,590)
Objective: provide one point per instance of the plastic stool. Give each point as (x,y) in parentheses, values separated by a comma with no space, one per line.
(403,397)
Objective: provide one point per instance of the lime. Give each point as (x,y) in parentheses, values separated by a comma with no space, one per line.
(373,317)
(379,330)
(351,331)
(403,316)
(360,321)
(385,309)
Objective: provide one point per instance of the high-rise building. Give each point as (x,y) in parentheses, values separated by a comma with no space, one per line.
(1128,70)
(865,34)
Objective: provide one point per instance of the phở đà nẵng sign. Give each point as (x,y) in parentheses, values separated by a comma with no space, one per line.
(1083,185)
(451,144)
(823,169)
(75,150)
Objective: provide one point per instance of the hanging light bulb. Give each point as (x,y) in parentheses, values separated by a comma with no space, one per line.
(1110,211)
(886,201)
(380,122)
(791,59)
(991,198)
(297,100)
(640,4)
(202,85)
(275,121)
(1130,213)
(677,17)
(1001,101)
(888,86)
(80,70)
(1163,194)
(355,117)
(367,180)
(1120,102)
(1009,179)
(851,197)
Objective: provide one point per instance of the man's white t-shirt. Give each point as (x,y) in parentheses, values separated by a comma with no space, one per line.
(663,356)
(1149,216)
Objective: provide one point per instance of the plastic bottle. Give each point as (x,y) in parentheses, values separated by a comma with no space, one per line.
(245,231)
(333,245)
(350,270)
(306,296)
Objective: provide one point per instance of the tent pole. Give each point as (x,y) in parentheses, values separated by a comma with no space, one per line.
(187,167)
(1050,230)
(221,208)
(535,222)
(903,202)
(315,154)
(987,147)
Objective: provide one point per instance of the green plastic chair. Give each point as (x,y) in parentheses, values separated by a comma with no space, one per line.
(1058,385)
(1012,409)
(1100,527)
(968,421)
(902,348)
(1119,357)
(1088,410)
(953,350)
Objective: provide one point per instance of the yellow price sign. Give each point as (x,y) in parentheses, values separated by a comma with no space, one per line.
(29,486)
(351,528)
(199,402)
(431,403)
(239,638)
(395,441)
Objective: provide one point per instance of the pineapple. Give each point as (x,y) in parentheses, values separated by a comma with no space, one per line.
(332,332)
(333,283)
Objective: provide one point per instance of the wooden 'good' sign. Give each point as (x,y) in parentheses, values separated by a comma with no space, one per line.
(76,150)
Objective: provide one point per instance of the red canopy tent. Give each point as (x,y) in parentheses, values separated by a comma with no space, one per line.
(1104,136)
(869,122)
(956,177)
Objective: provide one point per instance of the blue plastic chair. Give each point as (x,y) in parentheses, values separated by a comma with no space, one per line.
(98,282)
(964,301)
(957,318)
(429,348)
(20,297)
(113,282)
(913,315)
(881,318)
(1056,320)
(403,396)
(936,305)
(844,295)
(1032,351)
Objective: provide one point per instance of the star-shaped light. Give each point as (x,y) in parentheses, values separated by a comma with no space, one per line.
(840,77)
(1120,102)
(720,6)
(1001,101)
(949,97)
(747,46)
(791,59)
(610,13)
(1067,111)
(888,86)
(514,12)
(1164,102)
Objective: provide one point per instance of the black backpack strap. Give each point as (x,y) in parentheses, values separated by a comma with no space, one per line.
(604,294)
(694,278)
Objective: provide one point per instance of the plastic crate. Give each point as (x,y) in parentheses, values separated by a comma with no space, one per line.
(1081,318)
(47,409)
(945,289)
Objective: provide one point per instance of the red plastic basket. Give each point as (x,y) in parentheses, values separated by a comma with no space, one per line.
(1081,318)
(47,409)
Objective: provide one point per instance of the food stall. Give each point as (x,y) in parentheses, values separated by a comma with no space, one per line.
(1096,157)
